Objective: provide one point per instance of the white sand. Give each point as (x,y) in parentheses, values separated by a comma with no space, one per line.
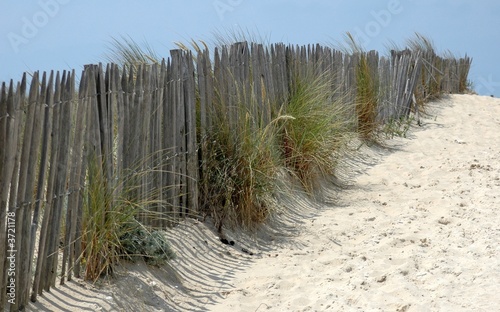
(418,230)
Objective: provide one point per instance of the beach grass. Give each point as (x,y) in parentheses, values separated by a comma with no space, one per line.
(111,227)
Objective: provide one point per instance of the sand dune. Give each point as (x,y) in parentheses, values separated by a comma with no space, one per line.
(420,231)
(417,230)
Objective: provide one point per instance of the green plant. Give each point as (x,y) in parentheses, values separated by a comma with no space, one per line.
(397,127)
(318,130)
(100,218)
(470,86)
(366,99)
(151,246)
(464,65)
(126,51)
(110,212)
(366,91)
(431,76)
(421,43)
(240,164)
(229,36)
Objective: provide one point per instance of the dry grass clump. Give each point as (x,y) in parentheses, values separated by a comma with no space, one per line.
(126,51)
(110,226)
(366,91)
(318,130)
(366,100)
(240,165)
(431,76)
(440,74)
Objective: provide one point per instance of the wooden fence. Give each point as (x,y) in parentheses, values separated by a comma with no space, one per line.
(147,124)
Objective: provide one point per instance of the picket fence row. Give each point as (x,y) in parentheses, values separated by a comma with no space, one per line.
(144,126)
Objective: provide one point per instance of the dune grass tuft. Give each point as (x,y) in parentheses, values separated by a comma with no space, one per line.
(110,211)
(126,51)
(464,85)
(318,130)
(240,164)
(431,75)
(366,99)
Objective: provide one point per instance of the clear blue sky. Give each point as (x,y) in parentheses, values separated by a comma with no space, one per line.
(66,34)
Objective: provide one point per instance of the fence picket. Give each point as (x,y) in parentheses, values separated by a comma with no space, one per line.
(24,191)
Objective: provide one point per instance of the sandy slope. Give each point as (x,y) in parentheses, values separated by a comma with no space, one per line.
(420,231)
(417,230)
